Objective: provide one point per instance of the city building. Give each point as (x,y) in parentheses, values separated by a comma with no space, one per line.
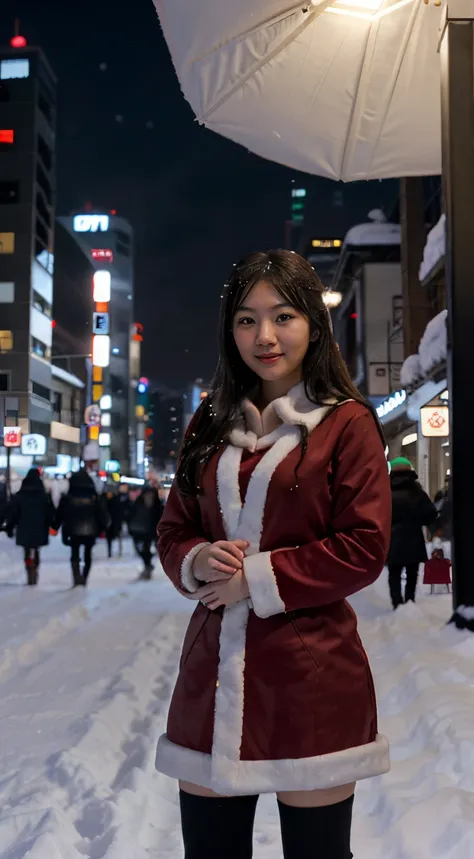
(369,320)
(107,240)
(166,423)
(65,442)
(27,211)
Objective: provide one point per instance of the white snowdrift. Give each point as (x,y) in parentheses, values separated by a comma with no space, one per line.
(435,248)
(433,349)
(81,717)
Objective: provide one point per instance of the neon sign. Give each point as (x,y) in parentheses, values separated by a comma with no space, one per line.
(391,403)
(91,223)
(102,253)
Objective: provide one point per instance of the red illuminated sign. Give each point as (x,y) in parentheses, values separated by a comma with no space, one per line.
(103,254)
(7,135)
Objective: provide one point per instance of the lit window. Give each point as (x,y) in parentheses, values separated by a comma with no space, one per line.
(102,286)
(7,243)
(101,350)
(39,348)
(6,341)
(7,135)
(7,293)
(10,69)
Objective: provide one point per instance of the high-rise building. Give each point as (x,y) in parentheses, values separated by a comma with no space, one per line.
(27,203)
(107,240)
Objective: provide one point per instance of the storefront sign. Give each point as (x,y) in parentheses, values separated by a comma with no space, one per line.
(92,416)
(11,436)
(434,421)
(391,403)
(91,223)
(100,323)
(33,444)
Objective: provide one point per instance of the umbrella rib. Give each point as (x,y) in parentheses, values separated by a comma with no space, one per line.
(355,106)
(308,19)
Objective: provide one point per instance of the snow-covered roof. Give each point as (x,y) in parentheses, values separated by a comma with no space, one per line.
(435,248)
(431,352)
(377,231)
(70,378)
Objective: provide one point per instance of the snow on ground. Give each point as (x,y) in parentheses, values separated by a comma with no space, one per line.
(85,679)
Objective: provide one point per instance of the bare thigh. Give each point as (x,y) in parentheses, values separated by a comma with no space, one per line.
(198,790)
(297,798)
(316,798)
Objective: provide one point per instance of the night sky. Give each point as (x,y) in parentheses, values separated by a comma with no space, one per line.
(128,140)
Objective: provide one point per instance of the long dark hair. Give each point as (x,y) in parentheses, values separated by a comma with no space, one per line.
(325,374)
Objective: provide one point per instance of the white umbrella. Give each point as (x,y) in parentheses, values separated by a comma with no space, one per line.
(348,89)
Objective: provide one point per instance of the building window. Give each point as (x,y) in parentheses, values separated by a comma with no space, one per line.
(7,243)
(7,293)
(45,108)
(10,69)
(57,401)
(39,348)
(44,153)
(41,232)
(42,210)
(44,183)
(9,192)
(4,381)
(41,304)
(6,341)
(41,391)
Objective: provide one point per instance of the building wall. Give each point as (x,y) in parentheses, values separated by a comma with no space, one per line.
(27,199)
(382,294)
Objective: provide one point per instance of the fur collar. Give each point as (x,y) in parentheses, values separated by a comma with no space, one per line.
(255,431)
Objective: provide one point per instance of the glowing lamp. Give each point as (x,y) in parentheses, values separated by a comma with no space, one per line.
(101,350)
(102,285)
(18,42)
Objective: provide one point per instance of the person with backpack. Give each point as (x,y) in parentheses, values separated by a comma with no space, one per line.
(143,517)
(83,518)
(411,510)
(30,514)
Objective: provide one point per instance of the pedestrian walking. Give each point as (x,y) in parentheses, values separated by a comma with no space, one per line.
(83,518)
(279,511)
(411,510)
(143,517)
(30,514)
(115,513)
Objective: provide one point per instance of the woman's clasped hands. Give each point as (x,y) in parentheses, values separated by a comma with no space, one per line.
(220,565)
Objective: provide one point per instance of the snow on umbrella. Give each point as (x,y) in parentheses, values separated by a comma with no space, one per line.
(348,89)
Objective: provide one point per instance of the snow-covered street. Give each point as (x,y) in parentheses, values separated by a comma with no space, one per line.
(85,678)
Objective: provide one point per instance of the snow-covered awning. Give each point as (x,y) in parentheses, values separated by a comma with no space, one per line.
(65,376)
(435,248)
(432,351)
(377,231)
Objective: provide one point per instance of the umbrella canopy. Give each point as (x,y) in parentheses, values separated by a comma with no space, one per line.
(348,89)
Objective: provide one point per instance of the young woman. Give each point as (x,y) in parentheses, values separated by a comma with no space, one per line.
(280,510)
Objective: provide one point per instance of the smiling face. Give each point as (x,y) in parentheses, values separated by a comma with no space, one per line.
(272,338)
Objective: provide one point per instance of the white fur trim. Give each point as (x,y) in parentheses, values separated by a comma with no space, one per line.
(266,600)
(228,490)
(251,777)
(229,703)
(188,580)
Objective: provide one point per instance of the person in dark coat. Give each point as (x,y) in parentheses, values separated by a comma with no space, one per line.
(115,510)
(143,518)
(83,517)
(31,514)
(411,509)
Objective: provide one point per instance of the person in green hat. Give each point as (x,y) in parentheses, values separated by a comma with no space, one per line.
(411,510)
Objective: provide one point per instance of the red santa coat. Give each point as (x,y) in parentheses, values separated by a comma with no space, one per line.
(275,693)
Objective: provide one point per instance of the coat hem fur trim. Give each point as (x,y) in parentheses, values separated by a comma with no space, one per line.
(252,777)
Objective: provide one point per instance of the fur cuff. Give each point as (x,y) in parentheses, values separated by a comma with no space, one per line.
(266,600)
(187,580)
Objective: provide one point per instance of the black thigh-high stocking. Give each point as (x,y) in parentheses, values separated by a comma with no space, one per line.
(215,827)
(317,833)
